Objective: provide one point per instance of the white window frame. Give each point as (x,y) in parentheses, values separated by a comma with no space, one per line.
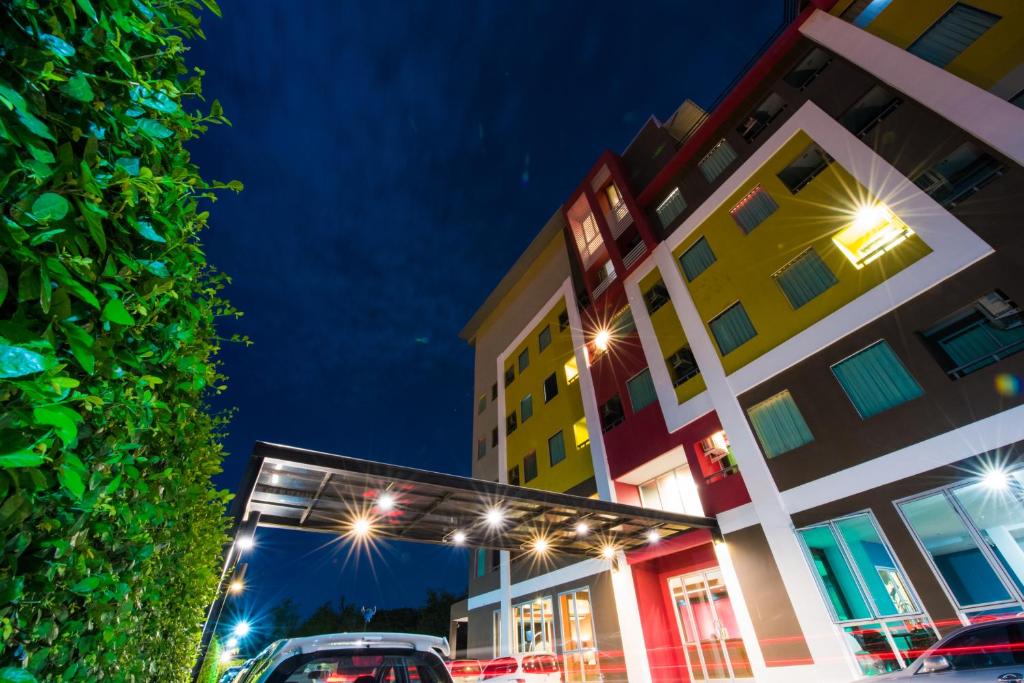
(576,618)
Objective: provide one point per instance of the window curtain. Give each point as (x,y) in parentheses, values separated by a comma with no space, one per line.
(805,278)
(641,391)
(696,259)
(732,329)
(952,34)
(981,342)
(670,209)
(717,160)
(753,209)
(779,425)
(876,380)
(556,449)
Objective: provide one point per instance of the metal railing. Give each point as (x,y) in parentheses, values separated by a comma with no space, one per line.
(634,255)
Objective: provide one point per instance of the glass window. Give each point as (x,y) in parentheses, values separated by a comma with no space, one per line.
(656,297)
(510,376)
(863,12)
(550,387)
(530,467)
(641,390)
(544,338)
(611,413)
(759,119)
(533,625)
(494,391)
(732,328)
(835,573)
(513,475)
(579,644)
(526,407)
(481,404)
(674,491)
(873,231)
(572,372)
(563,320)
(682,366)
(524,360)
(984,332)
(779,425)
(753,209)
(511,423)
(581,434)
(965,171)
(952,34)
(804,278)
(671,208)
(993,645)
(696,259)
(808,69)
(717,160)
(804,168)
(884,582)
(481,448)
(494,437)
(481,562)
(869,110)
(556,449)
(875,380)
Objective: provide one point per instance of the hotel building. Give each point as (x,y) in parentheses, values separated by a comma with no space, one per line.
(796,313)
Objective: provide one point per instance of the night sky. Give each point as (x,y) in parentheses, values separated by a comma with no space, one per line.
(397,158)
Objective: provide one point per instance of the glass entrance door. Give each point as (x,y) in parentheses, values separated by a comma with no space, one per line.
(708,628)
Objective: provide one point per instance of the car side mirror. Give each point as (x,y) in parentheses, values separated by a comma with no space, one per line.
(935,664)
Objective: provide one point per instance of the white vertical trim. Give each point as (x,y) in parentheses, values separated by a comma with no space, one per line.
(505,572)
(977,111)
(740,611)
(631,630)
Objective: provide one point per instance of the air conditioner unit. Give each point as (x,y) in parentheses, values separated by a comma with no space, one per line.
(1000,312)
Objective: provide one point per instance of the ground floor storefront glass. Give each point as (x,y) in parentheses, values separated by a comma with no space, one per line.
(708,627)
(533,625)
(579,644)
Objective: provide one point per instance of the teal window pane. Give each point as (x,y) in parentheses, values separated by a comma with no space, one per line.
(804,278)
(530,467)
(835,575)
(641,391)
(753,209)
(876,380)
(717,160)
(544,338)
(526,407)
(869,13)
(524,360)
(696,259)
(952,34)
(980,334)
(885,583)
(481,562)
(556,449)
(732,328)
(671,208)
(779,425)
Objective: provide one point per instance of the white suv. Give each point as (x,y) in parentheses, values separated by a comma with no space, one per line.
(352,658)
(532,667)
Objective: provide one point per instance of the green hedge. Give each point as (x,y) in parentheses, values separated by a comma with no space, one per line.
(111,527)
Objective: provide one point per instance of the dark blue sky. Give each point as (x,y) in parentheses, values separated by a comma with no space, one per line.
(397,158)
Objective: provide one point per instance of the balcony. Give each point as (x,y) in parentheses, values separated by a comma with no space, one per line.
(619,218)
(634,255)
(608,278)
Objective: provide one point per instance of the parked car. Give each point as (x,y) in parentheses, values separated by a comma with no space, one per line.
(992,651)
(466,670)
(352,658)
(533,667)
(230,674)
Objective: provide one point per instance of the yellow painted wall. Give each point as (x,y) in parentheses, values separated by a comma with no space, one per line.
(745,262)
(984,63)
(670,337)
(561,413)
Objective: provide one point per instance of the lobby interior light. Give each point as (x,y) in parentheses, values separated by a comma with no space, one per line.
(459,538)
(996,479)
(495,517)
(385,501)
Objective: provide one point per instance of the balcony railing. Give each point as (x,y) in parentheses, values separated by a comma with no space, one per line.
(634,255)
(619,219)
(609,278)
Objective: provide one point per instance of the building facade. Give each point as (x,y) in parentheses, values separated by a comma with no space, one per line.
(796,313)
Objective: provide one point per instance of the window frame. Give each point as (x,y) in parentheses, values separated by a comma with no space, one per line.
(788,266)
(525,401)
(551,461)
(665,222)
(530,457)
(629,392)
(846,392)
(563,621)
(714,337)
(552,377)
(714,258)
(756,192)
(932,26)
(544,338)
(523,360)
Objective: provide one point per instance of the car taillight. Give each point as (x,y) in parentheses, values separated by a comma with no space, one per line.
(500,667)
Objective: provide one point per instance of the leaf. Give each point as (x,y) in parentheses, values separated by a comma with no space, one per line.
(154,129)
(156,268)
(44,236)
(86,585)
(12,98)
(35,125)
(18,362)
(21,459)
(88,9)
(10,674)
(78,87)
(58,46)
(3,284)
(61,418)
(50,206)
(130,165)
(115,312)
(81,343)
(145,229)
(72,482)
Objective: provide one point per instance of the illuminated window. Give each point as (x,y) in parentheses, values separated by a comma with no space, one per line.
(587,236)
(671,208)
(571,371)
(753,209)
(863,12)
(674,491)
(717,160)
(578,632)
(874,231)
(580,433)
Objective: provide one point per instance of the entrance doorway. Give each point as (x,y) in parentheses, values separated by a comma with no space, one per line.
(708,628)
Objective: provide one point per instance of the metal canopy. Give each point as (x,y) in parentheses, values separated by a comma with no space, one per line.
(293,488)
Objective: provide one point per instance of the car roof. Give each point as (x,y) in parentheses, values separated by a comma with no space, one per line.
(377,640)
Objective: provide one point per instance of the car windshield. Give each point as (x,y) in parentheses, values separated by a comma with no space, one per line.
(363,666)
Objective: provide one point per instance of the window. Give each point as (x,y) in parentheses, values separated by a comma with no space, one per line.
(611,414)
(513,475)
(732,328)
(587,236)
(641,390)
(874,230)
(715,457)
(753,209)
(875,380)
(671,208)
(804,168)
(550,387)
(510,376)
(572,372)
(984,332)
(868,592)
(533,628)
(524,360)
(578,636)
(481,404)
(1017,100)
(869,110)
(973,536)
(759,119)
(481,448)
(563,320)
(682,366)
(656,297)
(696,259)
(494,391)
(674,491)
(494,438)
(717,160)
(544,338)
(526,407)
(779,425)
(959,175)
(804,278)
(808,69)
(481,562)
(510,423)
(952,34)
(580,433)
(530,467)
(556,449)
(863,12)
